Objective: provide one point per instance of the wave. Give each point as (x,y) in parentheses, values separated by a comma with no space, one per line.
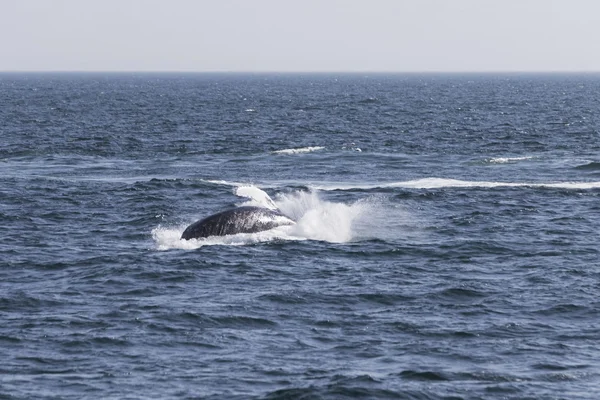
(298,150)
(222,182)
(316,219)
(505,160)
(591,166)
(423,183)
(439,183)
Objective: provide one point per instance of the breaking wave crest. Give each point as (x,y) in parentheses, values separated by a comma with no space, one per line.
(299,150)
(438,183)
(505,160)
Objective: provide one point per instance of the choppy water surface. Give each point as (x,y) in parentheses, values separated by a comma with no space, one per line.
(446,244)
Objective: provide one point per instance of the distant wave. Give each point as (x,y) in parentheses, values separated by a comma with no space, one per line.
(437,183)
(504,160)
(424,183)
(224,183)
(592,166)
(298,150)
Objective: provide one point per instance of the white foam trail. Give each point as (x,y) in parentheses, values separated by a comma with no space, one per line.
(299,150)
(438,183)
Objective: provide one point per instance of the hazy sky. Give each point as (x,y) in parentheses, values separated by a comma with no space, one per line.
(300,35)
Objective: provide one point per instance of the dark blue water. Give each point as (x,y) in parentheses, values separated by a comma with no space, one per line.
(446,244)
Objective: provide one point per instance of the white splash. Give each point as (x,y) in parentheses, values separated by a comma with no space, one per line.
(299,150)
(317,219)
(167,238)
(257,197)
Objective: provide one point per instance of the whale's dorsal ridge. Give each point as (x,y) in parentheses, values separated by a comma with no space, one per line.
(245,219)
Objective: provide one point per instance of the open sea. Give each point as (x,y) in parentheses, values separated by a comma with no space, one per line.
(446,245)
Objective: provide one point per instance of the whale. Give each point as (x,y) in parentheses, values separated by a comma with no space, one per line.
(244,219)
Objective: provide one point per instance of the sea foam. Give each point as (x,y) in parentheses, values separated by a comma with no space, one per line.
(438,183)
(299,150)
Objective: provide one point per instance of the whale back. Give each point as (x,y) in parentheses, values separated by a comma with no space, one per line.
(238,220)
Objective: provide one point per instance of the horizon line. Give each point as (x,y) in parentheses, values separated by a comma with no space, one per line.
(300,72)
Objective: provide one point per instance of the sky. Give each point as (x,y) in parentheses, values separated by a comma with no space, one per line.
(300,35)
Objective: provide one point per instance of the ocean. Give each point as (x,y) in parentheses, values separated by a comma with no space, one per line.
(446,243)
